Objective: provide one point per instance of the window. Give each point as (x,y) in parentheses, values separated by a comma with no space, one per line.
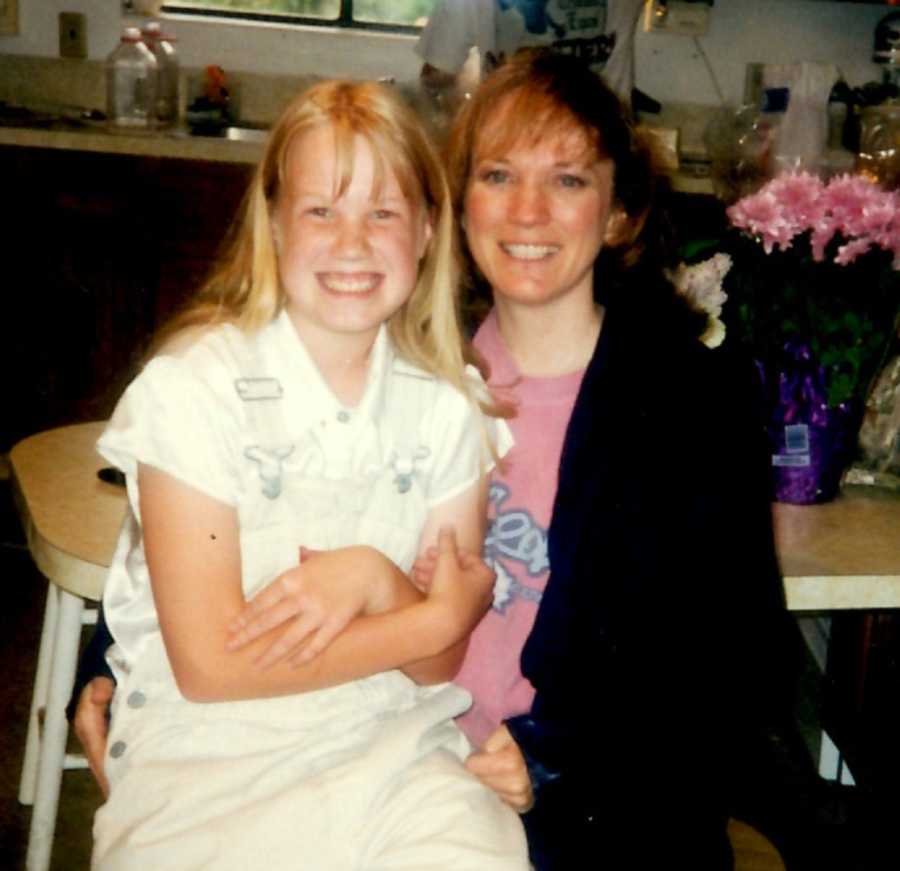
(377,14)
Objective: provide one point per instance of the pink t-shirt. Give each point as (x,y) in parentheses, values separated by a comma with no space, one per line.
(521,502)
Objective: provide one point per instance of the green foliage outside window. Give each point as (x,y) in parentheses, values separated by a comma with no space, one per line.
(401,12)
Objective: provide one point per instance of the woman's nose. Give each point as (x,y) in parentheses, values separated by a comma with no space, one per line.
(528,204)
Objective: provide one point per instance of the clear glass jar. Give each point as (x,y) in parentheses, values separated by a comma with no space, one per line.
(163,49)
(131,84)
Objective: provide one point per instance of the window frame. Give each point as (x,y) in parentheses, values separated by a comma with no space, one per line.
(344,20)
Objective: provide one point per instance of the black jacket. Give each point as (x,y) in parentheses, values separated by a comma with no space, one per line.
(661,647)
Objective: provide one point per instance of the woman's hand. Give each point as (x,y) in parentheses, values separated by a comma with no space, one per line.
(92,726)
(321,595)
(460,587)
(422,571)
(500,766)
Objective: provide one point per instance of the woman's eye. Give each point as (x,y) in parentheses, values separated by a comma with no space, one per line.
(568,180)
(383,214)
(319,211)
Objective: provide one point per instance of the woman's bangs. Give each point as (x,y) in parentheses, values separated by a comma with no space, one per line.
(527,117)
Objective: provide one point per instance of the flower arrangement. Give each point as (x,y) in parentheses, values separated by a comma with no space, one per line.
(817,268)
(813,297)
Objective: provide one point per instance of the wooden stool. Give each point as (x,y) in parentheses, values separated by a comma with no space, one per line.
(752,851)
(71,521)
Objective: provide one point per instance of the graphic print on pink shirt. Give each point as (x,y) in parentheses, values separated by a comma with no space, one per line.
(519,510)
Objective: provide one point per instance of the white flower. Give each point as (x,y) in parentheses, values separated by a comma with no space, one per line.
(701,285)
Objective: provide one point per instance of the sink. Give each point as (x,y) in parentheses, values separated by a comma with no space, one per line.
(245,134)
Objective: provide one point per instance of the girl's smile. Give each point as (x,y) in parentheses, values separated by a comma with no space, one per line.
(353,283)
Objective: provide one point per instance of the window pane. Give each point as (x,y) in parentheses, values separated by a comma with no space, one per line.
(327,9)
(392,11)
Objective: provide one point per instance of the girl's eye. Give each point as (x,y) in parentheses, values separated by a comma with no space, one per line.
(495,176)
(383,214)
(319,211)
(568,180)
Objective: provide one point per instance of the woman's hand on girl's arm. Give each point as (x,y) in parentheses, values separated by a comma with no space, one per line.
(92,726)
(466,515)
(500,766)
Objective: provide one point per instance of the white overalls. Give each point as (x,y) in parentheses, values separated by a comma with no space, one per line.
(366,775)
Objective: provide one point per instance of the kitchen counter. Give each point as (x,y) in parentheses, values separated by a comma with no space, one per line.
(176,143)
(179,144)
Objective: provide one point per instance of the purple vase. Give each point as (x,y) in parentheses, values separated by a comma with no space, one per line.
(812,441)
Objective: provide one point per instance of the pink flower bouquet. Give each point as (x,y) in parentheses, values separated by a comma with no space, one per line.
(813,296)
(817,264)
(849,208)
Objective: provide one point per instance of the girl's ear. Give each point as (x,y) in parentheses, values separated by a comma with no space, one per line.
(427,233)
(276,233)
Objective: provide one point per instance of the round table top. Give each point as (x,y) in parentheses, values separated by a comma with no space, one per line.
(71,517)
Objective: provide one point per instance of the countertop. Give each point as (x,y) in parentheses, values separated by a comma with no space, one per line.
(843,554)
(179,144)
(176,143)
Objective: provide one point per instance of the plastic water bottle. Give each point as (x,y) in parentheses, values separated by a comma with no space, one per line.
(131,84)
(163,49)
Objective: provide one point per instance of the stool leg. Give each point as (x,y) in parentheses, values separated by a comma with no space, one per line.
(39,698)
(50,767)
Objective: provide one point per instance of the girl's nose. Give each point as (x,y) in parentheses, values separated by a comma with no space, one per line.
(528,204)
(352,240)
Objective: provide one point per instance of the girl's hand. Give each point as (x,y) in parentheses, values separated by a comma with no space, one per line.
(321,595)
(461,587)
(500,766)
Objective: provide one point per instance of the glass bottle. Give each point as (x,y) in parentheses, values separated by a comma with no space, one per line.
(163,49)
(131,82)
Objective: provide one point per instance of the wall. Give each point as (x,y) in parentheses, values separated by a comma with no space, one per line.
(668,68)
(763,31)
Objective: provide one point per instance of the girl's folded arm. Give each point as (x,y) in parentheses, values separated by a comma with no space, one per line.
(192,547)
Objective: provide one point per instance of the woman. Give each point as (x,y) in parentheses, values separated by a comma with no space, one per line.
(639,475)
(648,660)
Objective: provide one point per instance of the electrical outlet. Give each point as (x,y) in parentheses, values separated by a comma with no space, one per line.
(72,35)
(676,18)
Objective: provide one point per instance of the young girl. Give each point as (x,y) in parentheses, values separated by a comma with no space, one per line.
(313,396)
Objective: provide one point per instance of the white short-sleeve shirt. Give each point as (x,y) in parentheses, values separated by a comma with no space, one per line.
(249,421)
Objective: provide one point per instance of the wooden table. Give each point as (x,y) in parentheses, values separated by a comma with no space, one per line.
(842,555)
(71,520)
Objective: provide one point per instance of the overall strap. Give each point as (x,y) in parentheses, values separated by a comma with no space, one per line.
(263,400)
(409,396)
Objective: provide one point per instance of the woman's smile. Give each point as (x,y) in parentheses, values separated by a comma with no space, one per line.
(528,250)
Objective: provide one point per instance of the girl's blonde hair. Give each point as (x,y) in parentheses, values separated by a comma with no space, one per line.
(245,288)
